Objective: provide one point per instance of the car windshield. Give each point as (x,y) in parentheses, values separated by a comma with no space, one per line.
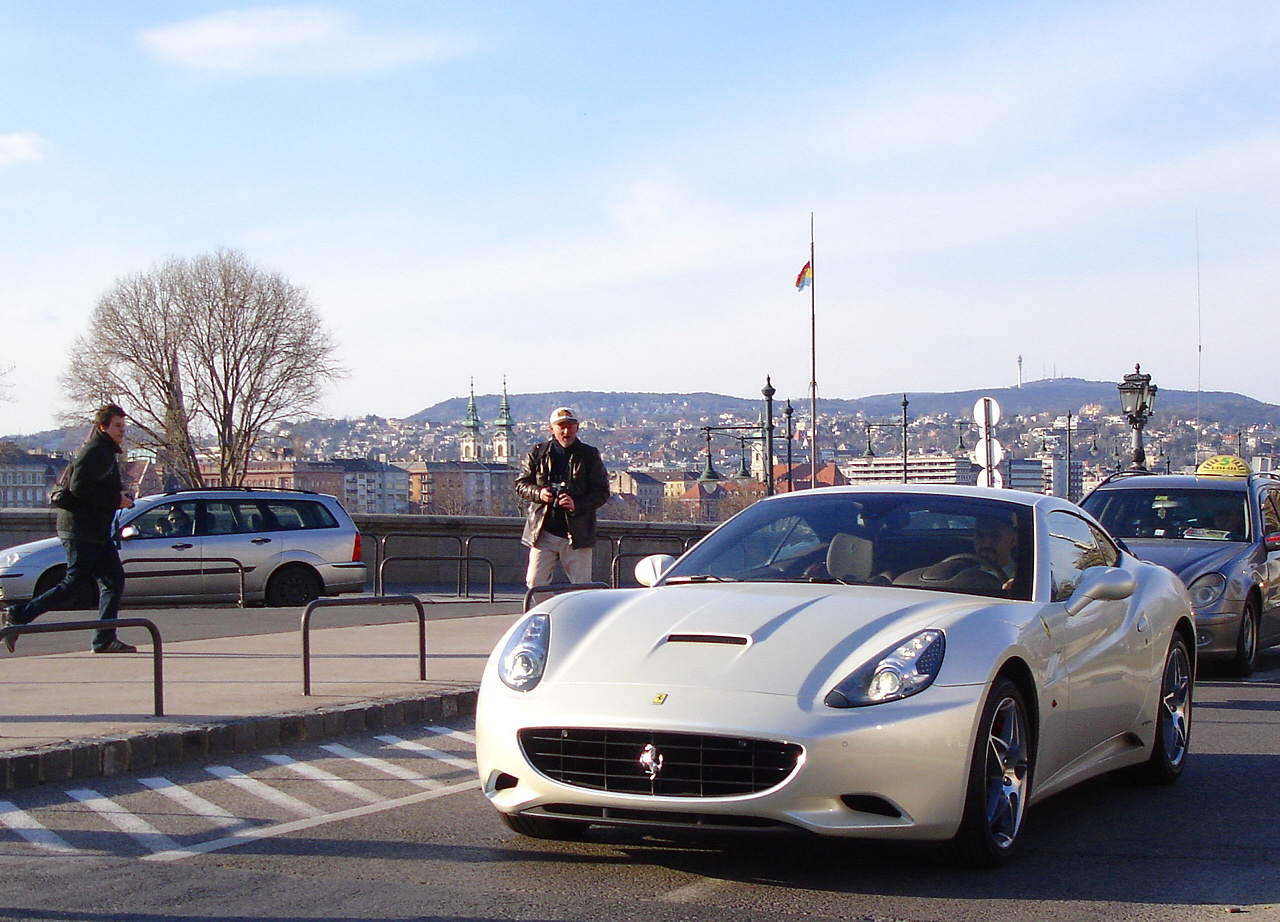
(1192,514)
(944,542)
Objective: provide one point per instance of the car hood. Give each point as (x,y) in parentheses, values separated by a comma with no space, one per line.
(31,547)
(1188,559)
(786,639)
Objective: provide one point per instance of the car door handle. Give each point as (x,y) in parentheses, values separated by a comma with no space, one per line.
(260,541)
(181,547)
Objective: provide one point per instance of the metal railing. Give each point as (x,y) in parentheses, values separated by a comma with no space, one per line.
(441,557)
(240,567)
(556,589)
(380,550)
(108,624)
(347,603)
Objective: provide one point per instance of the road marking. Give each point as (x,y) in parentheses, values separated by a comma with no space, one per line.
(280,829)
(328,779)
(456,734)
(382,765)
(193,802)
(24,825)
(264,791)
(411,746)
(130,824)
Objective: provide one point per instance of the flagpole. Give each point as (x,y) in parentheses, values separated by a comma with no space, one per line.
(813,367)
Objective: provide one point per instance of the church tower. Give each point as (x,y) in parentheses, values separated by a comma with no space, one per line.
(471,429)
(503,437)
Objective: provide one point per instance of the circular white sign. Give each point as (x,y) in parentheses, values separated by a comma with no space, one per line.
(988,457)
(986,412)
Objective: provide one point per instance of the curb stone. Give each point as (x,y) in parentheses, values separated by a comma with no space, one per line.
(74,760)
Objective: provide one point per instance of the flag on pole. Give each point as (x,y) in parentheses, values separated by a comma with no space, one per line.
(805,278)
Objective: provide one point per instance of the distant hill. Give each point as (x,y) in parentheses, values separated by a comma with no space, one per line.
(1055,395)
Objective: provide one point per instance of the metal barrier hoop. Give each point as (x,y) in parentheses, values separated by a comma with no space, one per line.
(107,624)
(347,603)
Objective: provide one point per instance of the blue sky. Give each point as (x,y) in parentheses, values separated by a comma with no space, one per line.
(616,196)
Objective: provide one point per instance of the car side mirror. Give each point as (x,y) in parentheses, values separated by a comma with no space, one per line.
(650,569)
(1110,583)
(129,531)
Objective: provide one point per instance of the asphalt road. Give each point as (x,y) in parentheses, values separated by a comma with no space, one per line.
(393,827)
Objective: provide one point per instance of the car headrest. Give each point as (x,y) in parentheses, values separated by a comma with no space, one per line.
(850,557)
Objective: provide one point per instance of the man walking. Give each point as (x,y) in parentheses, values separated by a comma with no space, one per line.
(85,520)
(564,482)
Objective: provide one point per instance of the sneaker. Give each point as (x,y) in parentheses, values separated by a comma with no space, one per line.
(116,646)
(10,642)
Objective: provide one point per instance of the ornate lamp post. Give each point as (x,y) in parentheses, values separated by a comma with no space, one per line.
(787,412)
(768,391)
(1137,397)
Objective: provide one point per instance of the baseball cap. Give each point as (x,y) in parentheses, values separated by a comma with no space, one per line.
(563,415)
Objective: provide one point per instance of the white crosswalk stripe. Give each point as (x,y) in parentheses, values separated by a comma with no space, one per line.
(420,749)
(224,819)
(35,833)
(307,770)
(264,791)
(468,738)
(132,825)
(220,806)
(382,765)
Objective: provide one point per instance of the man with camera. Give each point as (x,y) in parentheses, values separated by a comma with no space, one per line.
(564,482)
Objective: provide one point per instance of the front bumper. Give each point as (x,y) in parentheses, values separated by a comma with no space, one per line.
(1218,631)
(893,771)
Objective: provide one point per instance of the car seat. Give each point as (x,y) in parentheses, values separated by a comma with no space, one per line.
(850,557)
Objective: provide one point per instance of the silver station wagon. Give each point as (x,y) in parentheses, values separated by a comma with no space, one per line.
(292,546)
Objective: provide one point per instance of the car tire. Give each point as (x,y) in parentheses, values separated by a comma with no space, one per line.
(86,599)
(543,827)
(1173,720)
(1242,664)
(999,781)
(292,586)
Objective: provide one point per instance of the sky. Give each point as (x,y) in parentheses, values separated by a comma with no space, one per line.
(619,196)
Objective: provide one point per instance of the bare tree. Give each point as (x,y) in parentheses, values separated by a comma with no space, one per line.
(210,349)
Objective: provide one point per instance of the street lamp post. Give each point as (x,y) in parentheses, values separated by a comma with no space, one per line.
(787,412)
(768,391)
(868,426)
(1137,398)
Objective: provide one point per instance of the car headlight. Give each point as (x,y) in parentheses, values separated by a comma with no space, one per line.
(9,560)
(525,655)
(899,672)
(1207,589)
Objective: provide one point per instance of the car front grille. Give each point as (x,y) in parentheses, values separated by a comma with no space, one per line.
(659,764)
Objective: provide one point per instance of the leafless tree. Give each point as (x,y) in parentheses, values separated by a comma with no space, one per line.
(204,350)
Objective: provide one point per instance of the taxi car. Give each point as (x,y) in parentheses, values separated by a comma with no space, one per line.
(1219,531)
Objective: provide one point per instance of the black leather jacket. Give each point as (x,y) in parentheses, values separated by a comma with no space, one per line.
(588,484)
(95,489)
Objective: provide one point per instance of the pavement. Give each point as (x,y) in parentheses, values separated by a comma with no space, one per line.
(68,716)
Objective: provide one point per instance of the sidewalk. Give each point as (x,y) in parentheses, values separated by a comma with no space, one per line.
(66,716)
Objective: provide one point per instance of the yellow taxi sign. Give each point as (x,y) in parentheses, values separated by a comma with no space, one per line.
(1223,466)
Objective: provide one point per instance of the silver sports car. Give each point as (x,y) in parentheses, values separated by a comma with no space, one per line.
(897,662)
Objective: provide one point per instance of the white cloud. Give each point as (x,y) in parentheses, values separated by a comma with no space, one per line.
(21,147)
(275,41)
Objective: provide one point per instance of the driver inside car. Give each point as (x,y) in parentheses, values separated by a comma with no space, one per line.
(995,540)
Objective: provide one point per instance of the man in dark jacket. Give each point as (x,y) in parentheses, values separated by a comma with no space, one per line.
(564,482)
(85,521)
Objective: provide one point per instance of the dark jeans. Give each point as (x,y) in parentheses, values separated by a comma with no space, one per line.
(88,562)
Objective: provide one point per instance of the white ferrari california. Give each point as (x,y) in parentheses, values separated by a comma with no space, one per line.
(897,662)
